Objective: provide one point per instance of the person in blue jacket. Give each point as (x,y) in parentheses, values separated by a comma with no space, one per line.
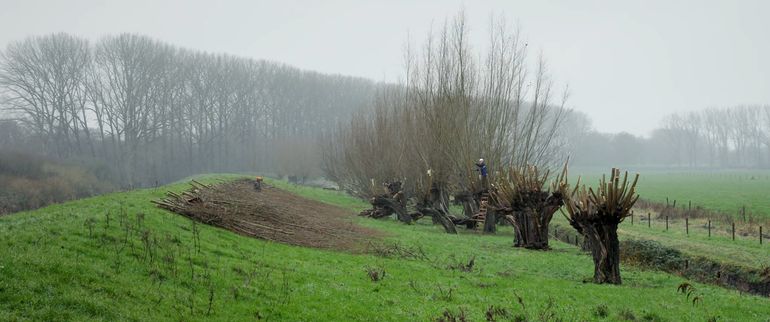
(482,169)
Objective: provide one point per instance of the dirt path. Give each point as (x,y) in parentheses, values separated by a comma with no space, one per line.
(271,214)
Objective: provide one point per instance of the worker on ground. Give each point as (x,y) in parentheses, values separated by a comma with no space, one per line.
(258,183)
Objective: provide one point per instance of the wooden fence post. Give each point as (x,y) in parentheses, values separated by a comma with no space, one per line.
(648,220)
(709,228)
(733,230)
(666,223)
(687,225)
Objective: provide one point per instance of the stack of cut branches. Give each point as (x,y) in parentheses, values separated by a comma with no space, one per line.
(269,213)
(223,206)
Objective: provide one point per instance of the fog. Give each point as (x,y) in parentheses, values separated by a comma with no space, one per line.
(635,61)
(144,93)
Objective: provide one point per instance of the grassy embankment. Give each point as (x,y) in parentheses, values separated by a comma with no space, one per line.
(116,257)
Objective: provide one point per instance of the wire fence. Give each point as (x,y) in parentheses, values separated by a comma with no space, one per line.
(746,230)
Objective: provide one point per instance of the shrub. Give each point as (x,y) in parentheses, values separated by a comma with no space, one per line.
(30,182)
(21,165)
(651,254)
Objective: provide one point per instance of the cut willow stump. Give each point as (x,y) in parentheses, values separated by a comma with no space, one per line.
(469,202)
(432,199)
(528,204)
(389,203)
(596,215)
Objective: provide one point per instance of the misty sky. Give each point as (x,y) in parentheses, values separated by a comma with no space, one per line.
(628,63)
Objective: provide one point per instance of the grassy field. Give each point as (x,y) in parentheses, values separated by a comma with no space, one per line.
(726,190)
(742,251)
(116,257)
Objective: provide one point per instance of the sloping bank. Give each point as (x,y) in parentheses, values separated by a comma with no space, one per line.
(654,255)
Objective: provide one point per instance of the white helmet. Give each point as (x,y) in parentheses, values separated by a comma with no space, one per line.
(481,161)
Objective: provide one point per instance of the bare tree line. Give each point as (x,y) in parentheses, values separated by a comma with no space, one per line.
(151,111)
(736,137)
(728,137)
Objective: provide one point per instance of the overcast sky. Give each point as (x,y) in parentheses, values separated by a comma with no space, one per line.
(628,63)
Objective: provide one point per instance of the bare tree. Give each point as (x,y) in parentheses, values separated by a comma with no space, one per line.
(596,215)
(43,79)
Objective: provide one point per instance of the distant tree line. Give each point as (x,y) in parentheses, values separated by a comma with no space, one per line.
(152,112)
(730,137)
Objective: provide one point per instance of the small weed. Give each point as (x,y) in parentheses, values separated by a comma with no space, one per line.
(493,313)
(520,300)
(462,266)
(415,287)
(398,251)
(626,315)
(449,316)
(685,288)
(375,274)
(547,313)
(689,290)
(486,285)
(90,223)
(520,318)
(444,294)
(506,273)
(652,317)
(601,311)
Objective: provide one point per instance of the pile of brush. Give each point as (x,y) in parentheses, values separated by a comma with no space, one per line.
(268,213)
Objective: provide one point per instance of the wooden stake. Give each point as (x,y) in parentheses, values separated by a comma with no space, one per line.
(687,225)
(648,220)
(666,223)
(709,227)
(733,230)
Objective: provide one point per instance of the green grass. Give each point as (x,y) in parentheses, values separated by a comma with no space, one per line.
(742,251)
(726,190)
(52,268)
(723,190)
